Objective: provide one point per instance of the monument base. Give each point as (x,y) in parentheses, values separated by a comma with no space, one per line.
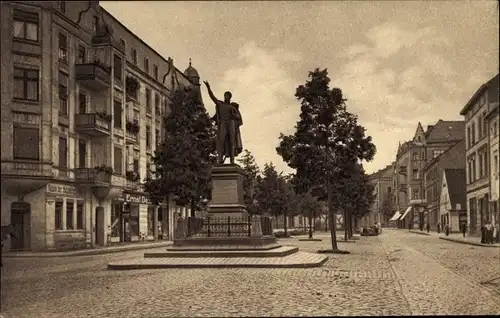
(227,192)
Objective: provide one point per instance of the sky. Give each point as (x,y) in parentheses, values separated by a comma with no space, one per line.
(397,62)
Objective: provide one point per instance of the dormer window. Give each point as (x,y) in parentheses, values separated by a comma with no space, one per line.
(95,23)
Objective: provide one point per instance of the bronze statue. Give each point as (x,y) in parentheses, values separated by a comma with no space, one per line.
(228,119)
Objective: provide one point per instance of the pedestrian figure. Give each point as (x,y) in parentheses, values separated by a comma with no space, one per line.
(7,230)
(439,228)
(428,227)
(483,234)
(447,229)
(488,233)
(464,229)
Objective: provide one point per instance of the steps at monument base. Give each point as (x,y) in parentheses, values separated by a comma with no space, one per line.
(224,247)
(224,240)
(276,252)
(295,260)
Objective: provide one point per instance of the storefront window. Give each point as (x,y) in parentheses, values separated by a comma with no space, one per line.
(151,213)
(115,220)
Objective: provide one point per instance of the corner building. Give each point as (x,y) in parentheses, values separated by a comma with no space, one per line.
(82,105)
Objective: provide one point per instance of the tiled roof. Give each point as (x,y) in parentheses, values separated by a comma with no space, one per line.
(446,130)
(460,143)
(455,181)
(491,86)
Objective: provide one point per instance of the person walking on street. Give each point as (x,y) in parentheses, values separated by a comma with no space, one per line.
(488,236)
(447,229)
(464,228)
(439,227)
(428,227)
(483,234)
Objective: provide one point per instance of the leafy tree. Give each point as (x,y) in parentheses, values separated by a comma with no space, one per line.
(183,161)
(326,142)
(250,181)
(387,207)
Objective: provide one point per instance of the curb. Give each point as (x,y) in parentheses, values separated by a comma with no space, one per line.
(191,266)
(198,254)
(310,240)
(420,233)
(88,252)
(469,243)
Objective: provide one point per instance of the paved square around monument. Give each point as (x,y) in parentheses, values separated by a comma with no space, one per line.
(397,273)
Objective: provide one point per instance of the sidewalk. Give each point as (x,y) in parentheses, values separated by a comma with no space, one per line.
(456,237)
(90,251)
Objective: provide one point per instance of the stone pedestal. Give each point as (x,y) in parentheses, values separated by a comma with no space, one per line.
(227,192)
(256,226)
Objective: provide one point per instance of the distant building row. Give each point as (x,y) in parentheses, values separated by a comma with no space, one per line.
(447,174)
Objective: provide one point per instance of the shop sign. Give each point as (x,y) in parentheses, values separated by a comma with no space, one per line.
(135,198)
(61,189)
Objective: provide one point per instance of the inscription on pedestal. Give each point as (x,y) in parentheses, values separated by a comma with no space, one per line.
(224,191)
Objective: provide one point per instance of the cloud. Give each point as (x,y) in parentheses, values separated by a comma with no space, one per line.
(390,99)
(261,84)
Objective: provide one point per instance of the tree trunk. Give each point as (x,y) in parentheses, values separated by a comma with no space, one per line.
(331,216)
(326,222)
(285,226)
(310,225)
(349,224)
(345,224)
(193,209)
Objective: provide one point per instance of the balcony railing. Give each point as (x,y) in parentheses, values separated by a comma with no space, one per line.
(418,202)
(93,75)
(131,136)
(91,176)
(92,124)
(403,188)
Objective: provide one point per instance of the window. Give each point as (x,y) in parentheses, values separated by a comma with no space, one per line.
(474,175)
(416,156)
(495,128)
(122,42)
(82,103)
(79,215)
(389,190)
(148,137)
(62,6)
(419,138)
(63,94)
(146,65)
(26,84)
(495,166)
(25,25)
(415,193)
(118,160)
(117,65)
(148,100)
(479,128)
(63,47)
(151,213)
(82,55)
(473,134)
(437,153)
(148,170)
(63,153)
(133,53)
(58,215)
(485,163)
(469,137)
(136,165)
(416,175)
(469,171)
(485,125)
(70,208)
(155,71)
(26,143)
(117,113)
(95,23)
(157,137)
(82,153)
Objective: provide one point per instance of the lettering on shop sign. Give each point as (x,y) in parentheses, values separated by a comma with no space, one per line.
(61,189)
(138,199)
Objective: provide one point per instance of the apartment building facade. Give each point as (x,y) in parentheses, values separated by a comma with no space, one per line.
(452,202)
(478,154)
(382,205)
(452,158)
(411,158)
(493,123)
(80,122)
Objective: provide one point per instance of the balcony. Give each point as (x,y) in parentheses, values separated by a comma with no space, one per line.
(403,188)
(402,170)
(92,125)
(418,202)
(20,177)
(93,75)
(91,177)
(132,185)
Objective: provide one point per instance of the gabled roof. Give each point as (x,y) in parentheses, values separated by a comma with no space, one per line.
(455,181)
(491,84)
(380,173)
(447,130)
(433,160)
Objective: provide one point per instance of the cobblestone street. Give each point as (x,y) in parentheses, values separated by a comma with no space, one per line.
(397,273)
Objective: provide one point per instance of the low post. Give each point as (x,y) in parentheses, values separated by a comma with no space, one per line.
(228,226)
(208,226)
(257,226)
(249,223)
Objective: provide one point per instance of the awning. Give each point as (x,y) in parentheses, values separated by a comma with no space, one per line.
(395,216)
(406,212)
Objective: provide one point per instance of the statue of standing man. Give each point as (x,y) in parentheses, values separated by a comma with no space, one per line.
(228,119)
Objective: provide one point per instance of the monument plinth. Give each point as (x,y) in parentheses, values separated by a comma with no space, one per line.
(227,192)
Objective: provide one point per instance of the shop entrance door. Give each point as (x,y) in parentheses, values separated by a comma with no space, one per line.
(20,220)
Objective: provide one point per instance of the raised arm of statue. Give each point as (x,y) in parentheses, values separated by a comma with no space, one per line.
(211,94)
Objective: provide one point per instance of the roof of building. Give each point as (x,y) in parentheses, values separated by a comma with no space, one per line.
(455,181)
(492,83)
(380,173)
(191,72)
(446,130)
(434,160)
